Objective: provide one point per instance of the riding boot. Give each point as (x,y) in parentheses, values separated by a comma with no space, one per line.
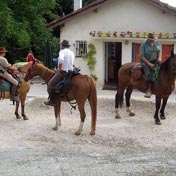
(148,93)
(14,93)
(52,100)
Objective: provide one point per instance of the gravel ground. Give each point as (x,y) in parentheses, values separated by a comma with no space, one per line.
(121,147)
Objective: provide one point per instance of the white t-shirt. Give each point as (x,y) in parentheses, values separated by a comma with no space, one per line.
(66,58)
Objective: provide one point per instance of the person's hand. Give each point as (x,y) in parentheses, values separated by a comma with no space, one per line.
(159,62)
(151,65)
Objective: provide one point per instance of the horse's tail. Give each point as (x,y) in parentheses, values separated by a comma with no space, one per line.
(93,104)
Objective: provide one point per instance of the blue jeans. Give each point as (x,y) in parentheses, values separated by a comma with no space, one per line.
(147,71)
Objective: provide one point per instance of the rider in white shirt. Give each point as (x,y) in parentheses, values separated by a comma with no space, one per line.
(65,63)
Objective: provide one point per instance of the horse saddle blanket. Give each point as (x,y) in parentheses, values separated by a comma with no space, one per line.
(63,86)
(5,85)
(137,71)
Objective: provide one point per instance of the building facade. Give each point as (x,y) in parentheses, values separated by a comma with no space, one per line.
(117,28)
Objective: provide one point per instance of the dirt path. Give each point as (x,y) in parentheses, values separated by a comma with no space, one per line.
(128,146)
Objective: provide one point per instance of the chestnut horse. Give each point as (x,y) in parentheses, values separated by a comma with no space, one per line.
(161,89)
(22,91)
(82,88)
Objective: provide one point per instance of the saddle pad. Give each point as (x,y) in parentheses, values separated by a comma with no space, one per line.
(5,86)
(136,71)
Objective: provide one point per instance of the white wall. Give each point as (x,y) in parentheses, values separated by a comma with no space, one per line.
(126,52)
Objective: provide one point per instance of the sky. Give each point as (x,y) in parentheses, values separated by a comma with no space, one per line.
(170,2)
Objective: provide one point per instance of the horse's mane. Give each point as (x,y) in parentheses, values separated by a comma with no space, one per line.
(165,64)
(169,66)
(41,66)
(25,67)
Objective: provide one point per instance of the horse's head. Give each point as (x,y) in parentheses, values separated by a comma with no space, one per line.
(32,71)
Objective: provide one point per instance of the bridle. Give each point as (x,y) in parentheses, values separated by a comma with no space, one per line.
(30,73)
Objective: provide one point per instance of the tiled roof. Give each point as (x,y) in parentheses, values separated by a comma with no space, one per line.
(93,6)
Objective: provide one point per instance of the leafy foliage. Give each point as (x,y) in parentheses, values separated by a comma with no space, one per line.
(22,24)
(91,60)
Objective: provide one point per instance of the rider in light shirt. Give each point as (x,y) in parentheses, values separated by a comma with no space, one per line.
(65,63)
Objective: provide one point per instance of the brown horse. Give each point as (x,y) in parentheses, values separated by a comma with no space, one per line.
(162,88)
(82,88)
(22,91)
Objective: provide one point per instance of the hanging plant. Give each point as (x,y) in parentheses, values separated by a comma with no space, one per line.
(91,60)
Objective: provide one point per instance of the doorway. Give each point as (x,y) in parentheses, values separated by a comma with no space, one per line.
(113,60)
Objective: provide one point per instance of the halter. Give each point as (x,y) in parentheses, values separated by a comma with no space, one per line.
(30,73)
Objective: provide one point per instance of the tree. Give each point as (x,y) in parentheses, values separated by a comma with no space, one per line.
(22,24)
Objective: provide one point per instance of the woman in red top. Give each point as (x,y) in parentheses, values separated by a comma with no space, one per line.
(30,57)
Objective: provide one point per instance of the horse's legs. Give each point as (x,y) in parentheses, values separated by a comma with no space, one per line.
(16,110)
(23,98)
(162,114)
(117,116)
(127,97)
(82,116)
(119,99)
(157,104)
(57,115)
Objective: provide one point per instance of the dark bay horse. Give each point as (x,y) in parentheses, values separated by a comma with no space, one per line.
(161,89)
(22,91)
(82,88)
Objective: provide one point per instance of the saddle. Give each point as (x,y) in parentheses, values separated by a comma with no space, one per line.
(137,72)
(6,86)
(62,87)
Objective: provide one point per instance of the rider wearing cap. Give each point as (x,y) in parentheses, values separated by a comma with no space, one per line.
(149,55)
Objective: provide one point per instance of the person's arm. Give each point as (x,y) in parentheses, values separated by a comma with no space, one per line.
(159,59)
(147,62)
(60,60)
(142,57)
(60,67)
(12,68)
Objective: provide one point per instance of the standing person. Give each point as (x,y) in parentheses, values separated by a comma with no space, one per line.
(149,55)
(65,63)
(30,57)
(4,67)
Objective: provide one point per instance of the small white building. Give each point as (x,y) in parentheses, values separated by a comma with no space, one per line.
(116,28)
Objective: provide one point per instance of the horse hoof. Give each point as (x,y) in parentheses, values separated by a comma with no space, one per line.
(157,122)
(131,114)
(18,117)
(163,117)
(77,133)
(25,117)
(92,133)
(55,128)
(117,117)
